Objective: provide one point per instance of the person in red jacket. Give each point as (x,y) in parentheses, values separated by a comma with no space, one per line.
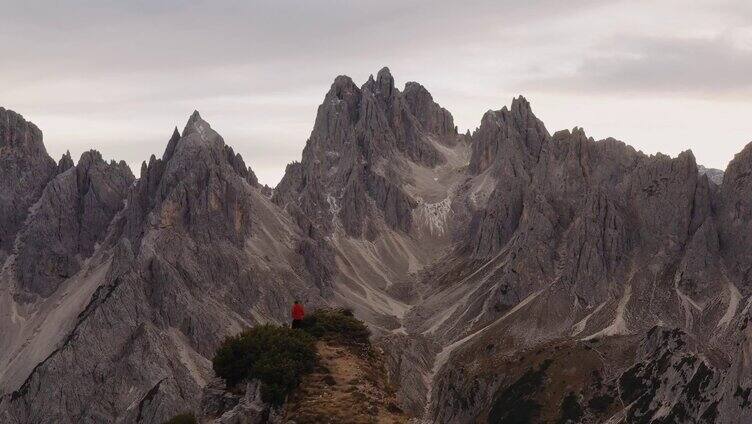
(297,314)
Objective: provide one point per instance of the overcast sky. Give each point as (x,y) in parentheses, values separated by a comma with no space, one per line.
(118,75)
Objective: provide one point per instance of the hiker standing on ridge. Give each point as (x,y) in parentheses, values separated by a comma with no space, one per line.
(297,314)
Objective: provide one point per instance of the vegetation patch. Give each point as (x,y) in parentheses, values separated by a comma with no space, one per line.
(697,386)
(337,325)
(517,403)
(632,385)
(280,356)
(601,404)
(276,356)
(571,410)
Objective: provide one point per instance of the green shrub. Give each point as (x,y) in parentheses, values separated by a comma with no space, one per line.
(280,356)
(571,410)
(277,356)
(601,403)
(338,325)
(517,404)
(182,419)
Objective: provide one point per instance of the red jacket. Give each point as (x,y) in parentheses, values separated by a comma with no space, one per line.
(297,311)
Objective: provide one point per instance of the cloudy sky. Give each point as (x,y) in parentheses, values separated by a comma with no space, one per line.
(117,76)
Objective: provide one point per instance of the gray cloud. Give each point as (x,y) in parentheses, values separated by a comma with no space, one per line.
(707,66)
(118,75)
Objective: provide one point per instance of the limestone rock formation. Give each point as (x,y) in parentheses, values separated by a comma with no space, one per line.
(506,145)
(714,175)
(70,218)
(223,407)
(186,261)
(577,279)
(25,169)
(354,162)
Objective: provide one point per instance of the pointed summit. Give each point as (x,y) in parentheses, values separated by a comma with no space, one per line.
(65,163)
(385,82)
(342,81)
(88,158)
(520,100)
(431,115)
(384,73)
(342,87)
(172,144)
(194,116)
(515,131)
(521,106)
(194,121)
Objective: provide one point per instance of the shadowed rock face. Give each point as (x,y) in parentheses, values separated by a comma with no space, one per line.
(25,169)
(485,264)
(507,145)
(70,218)
(736,215)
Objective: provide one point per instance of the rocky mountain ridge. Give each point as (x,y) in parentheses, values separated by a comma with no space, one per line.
(714,175)
(484,263)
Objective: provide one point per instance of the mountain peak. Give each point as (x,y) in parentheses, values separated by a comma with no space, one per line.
(88,157)
(515,131)
(172,144)
(16,131)
(382,86)
(194,121)
(521,105)
(65,163)
(431,236)
(385,82)
(342,83)
(384,73)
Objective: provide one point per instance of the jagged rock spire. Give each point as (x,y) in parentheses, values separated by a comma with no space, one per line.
(193,124)
(515,132)
(65,163)
(385,82)
(171,145)
(356,129)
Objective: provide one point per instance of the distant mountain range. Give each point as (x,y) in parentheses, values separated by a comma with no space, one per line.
(509,275)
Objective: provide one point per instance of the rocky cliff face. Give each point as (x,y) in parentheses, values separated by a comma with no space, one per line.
(509,271)
(70,218)
(354,164)
(25,169)
(193,253)
(714,175)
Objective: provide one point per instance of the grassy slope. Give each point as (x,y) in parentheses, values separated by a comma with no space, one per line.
(348,386)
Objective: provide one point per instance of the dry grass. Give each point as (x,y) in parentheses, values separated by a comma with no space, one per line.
(346,387)
(571,366)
